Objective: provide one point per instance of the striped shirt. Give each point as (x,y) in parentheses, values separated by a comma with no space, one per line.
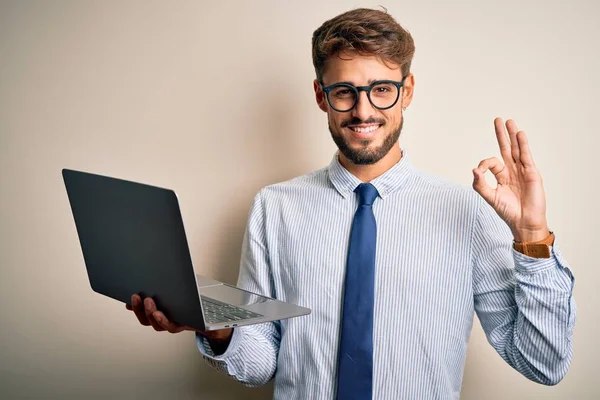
(442,254)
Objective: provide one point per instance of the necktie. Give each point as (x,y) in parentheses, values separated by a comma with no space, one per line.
(355,363)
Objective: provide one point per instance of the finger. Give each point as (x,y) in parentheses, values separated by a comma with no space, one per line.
(162,320)
(150,307)
(138,309)
(495,166)
(503,140)
(511,126)
(526,157)
(482,187)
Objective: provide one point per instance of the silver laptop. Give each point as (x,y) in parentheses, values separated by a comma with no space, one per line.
(133,241)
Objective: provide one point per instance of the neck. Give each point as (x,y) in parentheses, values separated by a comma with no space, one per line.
(367,173)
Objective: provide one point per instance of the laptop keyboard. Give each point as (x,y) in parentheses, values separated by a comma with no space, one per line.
(217,312)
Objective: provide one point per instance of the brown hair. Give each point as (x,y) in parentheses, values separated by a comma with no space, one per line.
(367,32)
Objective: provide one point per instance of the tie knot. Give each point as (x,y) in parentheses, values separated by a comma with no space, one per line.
(366,194)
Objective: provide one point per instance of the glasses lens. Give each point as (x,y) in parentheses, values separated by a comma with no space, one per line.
(342,97)
(383,95)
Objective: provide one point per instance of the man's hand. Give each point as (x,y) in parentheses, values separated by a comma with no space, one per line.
(148,315)
(519,197)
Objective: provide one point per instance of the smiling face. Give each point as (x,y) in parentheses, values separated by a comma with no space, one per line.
(365,135)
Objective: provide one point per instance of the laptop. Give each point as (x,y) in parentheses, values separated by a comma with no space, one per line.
(133,241)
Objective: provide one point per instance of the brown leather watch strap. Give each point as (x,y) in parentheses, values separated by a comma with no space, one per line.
(539,249)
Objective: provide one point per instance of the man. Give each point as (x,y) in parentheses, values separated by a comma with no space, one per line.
(393,262)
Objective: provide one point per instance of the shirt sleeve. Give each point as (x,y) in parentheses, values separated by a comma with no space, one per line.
(251,357)
(525,305)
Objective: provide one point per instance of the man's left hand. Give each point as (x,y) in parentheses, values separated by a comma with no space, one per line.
(519,197)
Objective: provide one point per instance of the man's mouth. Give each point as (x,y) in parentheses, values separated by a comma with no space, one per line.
(364,131)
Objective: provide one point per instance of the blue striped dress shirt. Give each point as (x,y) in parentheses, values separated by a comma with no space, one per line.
(442,254)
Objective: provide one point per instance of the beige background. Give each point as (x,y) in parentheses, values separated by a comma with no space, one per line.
(217,96)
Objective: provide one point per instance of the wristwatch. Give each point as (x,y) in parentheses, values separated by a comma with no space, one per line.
(539,249)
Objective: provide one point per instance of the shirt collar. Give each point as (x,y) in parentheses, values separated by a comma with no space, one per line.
(386,183)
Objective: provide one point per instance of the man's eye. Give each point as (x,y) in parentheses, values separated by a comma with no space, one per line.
(343,92)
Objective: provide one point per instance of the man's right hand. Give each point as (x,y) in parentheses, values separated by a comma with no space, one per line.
(148,315)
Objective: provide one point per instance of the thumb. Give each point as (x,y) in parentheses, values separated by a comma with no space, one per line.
(482,187)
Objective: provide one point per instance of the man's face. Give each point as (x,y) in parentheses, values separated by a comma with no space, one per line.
(364,134)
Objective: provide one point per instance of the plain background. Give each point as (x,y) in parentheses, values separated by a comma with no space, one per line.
(214,99)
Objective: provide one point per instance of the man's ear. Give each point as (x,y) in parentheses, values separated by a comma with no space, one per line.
(320,96)
(409,87)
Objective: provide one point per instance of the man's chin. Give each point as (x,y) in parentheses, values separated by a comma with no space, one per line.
(363,156)
(359,152)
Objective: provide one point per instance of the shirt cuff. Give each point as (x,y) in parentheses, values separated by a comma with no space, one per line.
(529,265)
(219,362)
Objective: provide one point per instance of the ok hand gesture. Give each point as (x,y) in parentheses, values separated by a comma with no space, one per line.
(519,197)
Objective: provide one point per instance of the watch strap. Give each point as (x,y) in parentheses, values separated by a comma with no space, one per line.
(539,249)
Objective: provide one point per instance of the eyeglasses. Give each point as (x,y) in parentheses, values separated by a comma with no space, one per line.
(343,97)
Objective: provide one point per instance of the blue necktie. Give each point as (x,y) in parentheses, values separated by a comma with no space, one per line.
(355,363)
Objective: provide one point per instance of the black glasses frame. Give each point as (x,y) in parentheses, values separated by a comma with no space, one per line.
(358,89)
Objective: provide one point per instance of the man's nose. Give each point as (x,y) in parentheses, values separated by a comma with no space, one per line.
(364,109)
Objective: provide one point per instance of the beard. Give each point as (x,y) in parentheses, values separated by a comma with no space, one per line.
(365,155)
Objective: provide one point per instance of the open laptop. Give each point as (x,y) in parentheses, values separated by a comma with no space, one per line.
(133,241)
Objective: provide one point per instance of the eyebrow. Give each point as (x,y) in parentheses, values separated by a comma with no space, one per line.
(369,82)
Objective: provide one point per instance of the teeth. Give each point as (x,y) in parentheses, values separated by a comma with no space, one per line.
(365,130)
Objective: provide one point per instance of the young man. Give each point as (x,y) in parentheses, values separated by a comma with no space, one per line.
(393,262)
